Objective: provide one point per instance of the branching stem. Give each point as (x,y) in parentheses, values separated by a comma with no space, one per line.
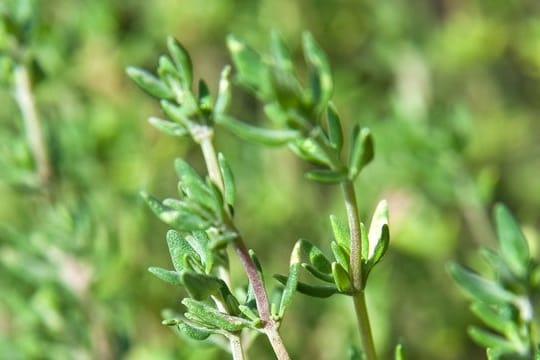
(270,327)
(359,299)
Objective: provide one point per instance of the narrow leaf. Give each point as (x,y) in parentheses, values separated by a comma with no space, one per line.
(224,93)
(257,134)
(193,185)
(480,288)
(149,83)
(168,127)
(200,243)
(281,54)
(327,176)
(335,132)
(514,247)
(321,291)
(341,255)
(201,286)
(362,152)
(194,332)
(182,61)
(292,280)
(204,313)
(178,114)
(229,188)
(315,256)
(321,76)
(490,340)
(341,278)
(251,69)
(340,230)
(181,220)
(179,249)
(491,316)
(379,219)
(310,150)
(172,277)
(205,99)
(399,353)
(318,274)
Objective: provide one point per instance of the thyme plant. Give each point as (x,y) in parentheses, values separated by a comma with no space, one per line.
(203,217)
(506,302)
(303,117)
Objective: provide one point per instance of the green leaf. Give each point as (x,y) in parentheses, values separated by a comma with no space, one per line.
(335,132)
(341,278)
(200,243)
(341,255)
(321,291)
(166,70)
(168,127)
(399,353)
(489,340)
(257,134)
(149,83)
(224,93)
(178,114)
(364,239)
(181,220)
(182,61)
(286,89)
(172,277)
(318,274)
(201,286)
(480,288)
(251,315)
(310,150)
(327,176)
(320,74)
(315,256)
(491,317)
(207,315)
(514,247)
(362,151)
(179,249)
(193,186)
(281,54)
(292,279)
(251,69)
(378,235)
(229,188)
(194,332)
(340,230)
(205,98)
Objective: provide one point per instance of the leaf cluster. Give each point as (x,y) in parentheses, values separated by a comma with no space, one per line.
(506,303)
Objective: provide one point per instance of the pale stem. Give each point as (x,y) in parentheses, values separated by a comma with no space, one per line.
(25,100)
(359,299)
(270,327)
(236,347)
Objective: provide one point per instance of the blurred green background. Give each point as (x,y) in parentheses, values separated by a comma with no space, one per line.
(451,90)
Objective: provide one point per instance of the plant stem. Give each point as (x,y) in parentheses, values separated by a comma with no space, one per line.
(359,299)
(32,125)
(236,347)
(270,327)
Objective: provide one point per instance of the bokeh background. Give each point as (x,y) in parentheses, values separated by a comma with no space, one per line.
(450,89)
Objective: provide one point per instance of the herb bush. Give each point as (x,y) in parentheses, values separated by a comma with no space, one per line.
(449,99)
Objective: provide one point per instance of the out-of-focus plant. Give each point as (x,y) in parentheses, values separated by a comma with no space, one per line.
(305,120)
(506,300)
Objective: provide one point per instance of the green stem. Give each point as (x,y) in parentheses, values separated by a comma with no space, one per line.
(356,275)
(25,100)
(270,328)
